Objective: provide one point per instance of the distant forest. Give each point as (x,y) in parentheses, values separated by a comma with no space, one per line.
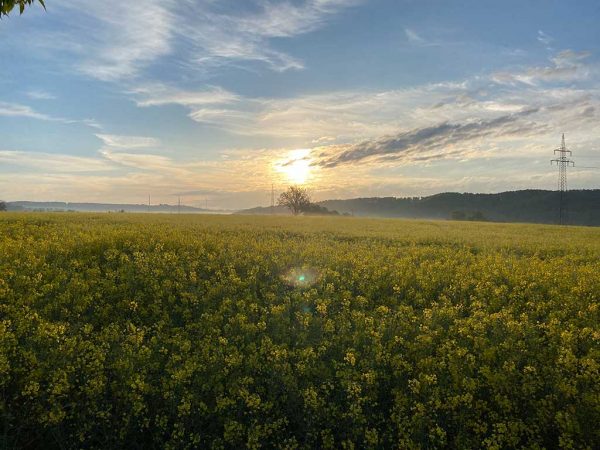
(536,206)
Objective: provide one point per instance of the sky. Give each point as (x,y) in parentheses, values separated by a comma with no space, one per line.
(218,101)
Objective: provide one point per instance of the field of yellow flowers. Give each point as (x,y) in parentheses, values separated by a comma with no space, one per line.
(177,331)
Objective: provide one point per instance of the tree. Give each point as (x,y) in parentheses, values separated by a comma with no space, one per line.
(2,206)
(296,198)
(7,6)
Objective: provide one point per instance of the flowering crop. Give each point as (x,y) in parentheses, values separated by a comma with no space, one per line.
(150,331)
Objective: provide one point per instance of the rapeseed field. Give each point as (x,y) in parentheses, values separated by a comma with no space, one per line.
(187,331)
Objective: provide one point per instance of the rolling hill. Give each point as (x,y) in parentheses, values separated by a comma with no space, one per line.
(535,206)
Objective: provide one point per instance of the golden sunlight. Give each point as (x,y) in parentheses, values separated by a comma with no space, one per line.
(296,166)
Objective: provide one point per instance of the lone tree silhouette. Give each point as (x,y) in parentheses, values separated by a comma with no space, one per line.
(296,198)
(2,205)
(7,6)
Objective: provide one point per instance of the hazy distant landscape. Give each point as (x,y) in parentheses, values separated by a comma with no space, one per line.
(103,207)
(534,206)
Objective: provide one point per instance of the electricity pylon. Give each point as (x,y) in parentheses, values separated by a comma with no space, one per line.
(563,162)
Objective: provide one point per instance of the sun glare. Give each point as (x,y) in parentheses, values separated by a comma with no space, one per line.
(296,166)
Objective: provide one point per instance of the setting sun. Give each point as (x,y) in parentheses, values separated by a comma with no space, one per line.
(296,167)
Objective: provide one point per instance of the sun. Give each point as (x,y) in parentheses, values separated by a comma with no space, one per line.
(296,167)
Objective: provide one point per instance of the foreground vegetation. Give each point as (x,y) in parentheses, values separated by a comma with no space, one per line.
(125,331)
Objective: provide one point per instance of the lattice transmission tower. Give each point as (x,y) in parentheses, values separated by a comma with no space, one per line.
(563,162)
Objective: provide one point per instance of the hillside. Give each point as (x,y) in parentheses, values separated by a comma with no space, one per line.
(535,206)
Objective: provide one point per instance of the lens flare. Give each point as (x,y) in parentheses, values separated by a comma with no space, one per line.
(301,277)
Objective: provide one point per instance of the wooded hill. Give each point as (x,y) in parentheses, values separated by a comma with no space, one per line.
(536,206)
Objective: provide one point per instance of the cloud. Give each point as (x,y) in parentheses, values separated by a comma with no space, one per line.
(128,142)
(286,19)
(422,144)
(126,37)
(413,37)
(327,116)
(567,66)
(40,95)
(346,116)
(139,161)
(157,94)
(117,149)
(569,58)
(544,38)
(218,36)
(53,163)
(16,110)
(116,41)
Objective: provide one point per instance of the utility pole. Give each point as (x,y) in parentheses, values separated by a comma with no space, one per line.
(272,198)
(563,162)
(179,204)
(148,202)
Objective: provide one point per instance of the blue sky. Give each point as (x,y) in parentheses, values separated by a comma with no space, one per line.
(216,100)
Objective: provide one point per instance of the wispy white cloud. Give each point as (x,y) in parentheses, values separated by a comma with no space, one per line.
(341,114)
(126,37)
(569,58)
(17,110)
(38,94)
(544,38)
(24,111)
(128,142)
(157,94)
(286,19)
(413,37)
(139,161)
(566,66)
(53,163)
(219,37)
